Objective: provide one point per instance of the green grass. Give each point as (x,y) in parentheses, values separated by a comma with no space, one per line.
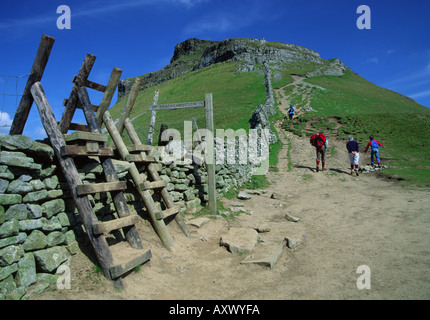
(363,108)
(235,96)
(299,67)
(307,177)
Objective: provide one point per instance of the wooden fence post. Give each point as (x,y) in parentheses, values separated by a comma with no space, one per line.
(152,123)
(129,104)
(108,94)
(36,73)
(210,159)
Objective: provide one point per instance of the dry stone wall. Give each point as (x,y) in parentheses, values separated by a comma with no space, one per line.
(40,227)
(36,230)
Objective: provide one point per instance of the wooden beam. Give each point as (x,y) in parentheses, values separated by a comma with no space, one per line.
(72,102)
(95,86)
(82,151)
(83,135)
(108,226)
(152,122)
(39,64)
(100,187)
(140,157)
(124,267)
(210,158)
(77,126)
(168,212)
(129,104)
(172,106)
(139,148)
(108,94)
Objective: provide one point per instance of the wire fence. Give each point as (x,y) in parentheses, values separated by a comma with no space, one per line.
(11,91)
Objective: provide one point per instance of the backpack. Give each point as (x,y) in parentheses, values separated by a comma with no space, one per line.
(317,140)
(374,145)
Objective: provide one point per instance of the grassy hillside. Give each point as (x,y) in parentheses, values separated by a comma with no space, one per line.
(363,108)
(235,96)
(360,107)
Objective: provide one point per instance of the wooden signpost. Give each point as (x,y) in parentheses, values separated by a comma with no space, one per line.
(210,155)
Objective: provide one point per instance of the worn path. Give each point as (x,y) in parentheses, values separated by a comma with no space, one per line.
(344,222)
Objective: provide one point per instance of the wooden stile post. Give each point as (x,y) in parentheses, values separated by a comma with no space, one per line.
(152,123)
(129,104)
(39,64)
(80,80)
(108,94)
(210,158)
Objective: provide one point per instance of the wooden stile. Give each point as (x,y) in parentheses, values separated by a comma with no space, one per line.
(83,204)
(92,143)
(159,225)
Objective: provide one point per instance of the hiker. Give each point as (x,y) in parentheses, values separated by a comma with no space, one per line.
(291,112)
(374,146)
(353,153)
(319,141)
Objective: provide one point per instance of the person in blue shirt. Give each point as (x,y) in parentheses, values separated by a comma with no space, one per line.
(374,146)
(291,112)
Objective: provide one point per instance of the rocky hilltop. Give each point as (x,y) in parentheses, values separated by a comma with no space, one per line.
(194,54)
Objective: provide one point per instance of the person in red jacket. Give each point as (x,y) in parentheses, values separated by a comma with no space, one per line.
(374,147)
(319,141)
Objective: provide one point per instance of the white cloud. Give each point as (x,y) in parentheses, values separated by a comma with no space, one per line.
(189,3)
(420,76)
(420,94)
(92,9)
(220,23)
(5,122)
(372,60)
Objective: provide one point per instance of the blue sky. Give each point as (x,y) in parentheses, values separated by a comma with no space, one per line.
(138,36)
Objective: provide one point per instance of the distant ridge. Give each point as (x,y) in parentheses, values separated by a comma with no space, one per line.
(194,54)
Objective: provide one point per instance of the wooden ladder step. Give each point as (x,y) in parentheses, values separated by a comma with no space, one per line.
(79,105)
(108,226)
(126,259)
(88,136)
(139,148)
(70,150)
(155,184)
(139,158)
(77,127)
(100,187)
(90,84)
(167,213)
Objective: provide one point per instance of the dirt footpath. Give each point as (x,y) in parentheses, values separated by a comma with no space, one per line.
(344,222)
